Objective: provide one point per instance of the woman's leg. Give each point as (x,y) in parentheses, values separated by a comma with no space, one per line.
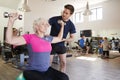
(107,54)
(33,75)
(103,53)
(54,74)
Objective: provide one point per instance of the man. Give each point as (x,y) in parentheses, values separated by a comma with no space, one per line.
(60,48)
(83,45)
(82,42)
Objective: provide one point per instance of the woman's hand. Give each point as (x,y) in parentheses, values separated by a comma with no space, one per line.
(13,17)
(61,23)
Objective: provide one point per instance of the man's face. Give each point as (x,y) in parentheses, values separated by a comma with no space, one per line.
(83,37)
(66,14)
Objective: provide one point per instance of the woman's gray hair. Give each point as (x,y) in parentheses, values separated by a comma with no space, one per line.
(37,21)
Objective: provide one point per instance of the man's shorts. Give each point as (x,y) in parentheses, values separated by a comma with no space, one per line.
(58,49)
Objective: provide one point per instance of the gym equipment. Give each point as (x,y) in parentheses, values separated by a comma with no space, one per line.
(6,15)
(20,77)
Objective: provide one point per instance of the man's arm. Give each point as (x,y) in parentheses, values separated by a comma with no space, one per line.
(71,38)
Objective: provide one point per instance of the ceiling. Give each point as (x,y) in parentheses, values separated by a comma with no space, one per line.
(13,4)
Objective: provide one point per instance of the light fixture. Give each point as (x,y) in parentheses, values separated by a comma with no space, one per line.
(87,11)
(24,6)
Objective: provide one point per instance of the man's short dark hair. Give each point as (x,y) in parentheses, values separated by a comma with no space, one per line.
(70,7)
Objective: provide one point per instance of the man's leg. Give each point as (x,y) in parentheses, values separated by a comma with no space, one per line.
(87,49)
(53,52)
(119,49)
(61,51)
(51,58)
(62,58)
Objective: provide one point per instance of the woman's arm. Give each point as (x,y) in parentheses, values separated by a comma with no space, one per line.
(60,35)
(14,40)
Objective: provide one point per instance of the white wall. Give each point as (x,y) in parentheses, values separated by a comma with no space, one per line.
(109,26)
(12,4)
(45,8)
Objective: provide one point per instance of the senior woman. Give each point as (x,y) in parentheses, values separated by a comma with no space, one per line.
(39,48)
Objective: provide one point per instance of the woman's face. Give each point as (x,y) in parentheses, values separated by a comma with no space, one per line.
(43,26)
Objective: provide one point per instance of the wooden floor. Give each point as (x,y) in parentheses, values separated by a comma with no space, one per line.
(87,67)
(7,71)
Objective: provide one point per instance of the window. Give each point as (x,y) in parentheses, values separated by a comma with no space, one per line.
(78,17)
(93,16)
(99,14)
(96,14)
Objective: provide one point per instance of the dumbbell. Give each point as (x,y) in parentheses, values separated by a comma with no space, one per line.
(6,15)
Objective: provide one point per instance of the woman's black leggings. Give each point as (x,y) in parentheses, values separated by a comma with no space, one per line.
(50,74)
(106,53)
